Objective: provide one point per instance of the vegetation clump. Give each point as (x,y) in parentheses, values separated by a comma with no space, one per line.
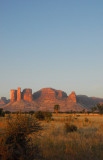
(70,127)
(15,142)
(86,119)
(56,108)
(2,113)
(40,115)
(100,108)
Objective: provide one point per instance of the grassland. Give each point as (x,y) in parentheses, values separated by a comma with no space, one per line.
(56,144)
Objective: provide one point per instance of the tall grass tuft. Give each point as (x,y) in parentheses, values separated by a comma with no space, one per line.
(15,142)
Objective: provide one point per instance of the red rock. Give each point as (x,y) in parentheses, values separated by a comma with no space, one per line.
(72,97)
(19,94)
(47,93)
(59,94)
(27,95)
(13,95)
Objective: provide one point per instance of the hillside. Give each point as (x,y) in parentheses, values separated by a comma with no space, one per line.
(88,102)
(4,101)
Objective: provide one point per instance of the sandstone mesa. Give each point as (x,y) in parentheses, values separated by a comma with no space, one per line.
(45,99)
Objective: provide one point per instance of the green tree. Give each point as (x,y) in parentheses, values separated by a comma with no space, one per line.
(56,108)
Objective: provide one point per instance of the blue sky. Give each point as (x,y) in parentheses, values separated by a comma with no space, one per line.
(51,43)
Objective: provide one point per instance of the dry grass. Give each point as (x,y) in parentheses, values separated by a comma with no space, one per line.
(86,143)
(56,144)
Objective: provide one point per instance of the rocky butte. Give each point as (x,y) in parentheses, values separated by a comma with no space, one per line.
(17,95)
(45,99)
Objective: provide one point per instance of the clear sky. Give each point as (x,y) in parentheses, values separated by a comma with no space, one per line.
(51,43)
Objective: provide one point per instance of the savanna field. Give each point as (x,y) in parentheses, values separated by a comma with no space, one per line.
(63,137)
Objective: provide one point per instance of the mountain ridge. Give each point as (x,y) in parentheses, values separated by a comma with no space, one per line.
(45,99)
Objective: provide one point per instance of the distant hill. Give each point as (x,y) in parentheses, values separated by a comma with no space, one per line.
(88,102)
(4,101)
(46,98)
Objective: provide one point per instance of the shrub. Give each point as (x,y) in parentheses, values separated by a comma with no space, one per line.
(7,112)
(31,112)
(16,141)
(39,115)
(43,115)
(78,115)
(86,120)
(2,114)
(48,115)
(70,127)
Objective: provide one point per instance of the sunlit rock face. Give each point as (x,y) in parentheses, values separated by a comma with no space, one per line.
(13,95)
(49,94)
(19,94)
(45,99)
(72,97)
(27,95)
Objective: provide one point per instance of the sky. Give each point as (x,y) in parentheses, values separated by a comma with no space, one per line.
(51,43)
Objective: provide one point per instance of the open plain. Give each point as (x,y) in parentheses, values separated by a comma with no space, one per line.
(56,143)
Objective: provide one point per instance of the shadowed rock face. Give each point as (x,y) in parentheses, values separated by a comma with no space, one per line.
(4,101)
(88,102)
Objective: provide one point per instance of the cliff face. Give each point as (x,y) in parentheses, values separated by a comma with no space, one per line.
(13,95)
(17,95)
(27,95)
(46,98)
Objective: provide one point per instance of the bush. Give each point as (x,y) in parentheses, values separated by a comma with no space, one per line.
(15,142)
(39,115)
(100,108)
(86,120)
(31,112)
(47,115)
(7,112)
(70,127)
(43,115)
(2,114)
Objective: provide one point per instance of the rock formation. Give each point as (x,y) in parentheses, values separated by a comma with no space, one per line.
(27,95)
(17,95)
(45,99)
(72,97)
(13,95)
